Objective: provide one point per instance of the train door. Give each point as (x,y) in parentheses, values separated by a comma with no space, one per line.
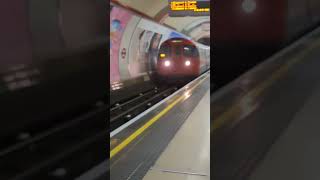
(177,58)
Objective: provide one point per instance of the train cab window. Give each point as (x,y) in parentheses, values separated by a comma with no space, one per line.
(190,51)
(177,50)
(164,51)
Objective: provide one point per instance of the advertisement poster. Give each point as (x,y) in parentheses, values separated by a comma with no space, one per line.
(118,21)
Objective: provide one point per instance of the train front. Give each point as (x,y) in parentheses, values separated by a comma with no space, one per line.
(178,59)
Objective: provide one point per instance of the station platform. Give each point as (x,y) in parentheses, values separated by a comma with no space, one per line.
(266,122)
(188,154)
(169,141)
(295,155)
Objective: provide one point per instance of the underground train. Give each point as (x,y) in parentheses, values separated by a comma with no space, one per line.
(264,22)
(179,58)
(248,31)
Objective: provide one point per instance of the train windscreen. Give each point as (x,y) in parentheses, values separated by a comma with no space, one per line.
(190,51)
(165,50)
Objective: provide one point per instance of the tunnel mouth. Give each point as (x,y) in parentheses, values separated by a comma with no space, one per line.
(204,40)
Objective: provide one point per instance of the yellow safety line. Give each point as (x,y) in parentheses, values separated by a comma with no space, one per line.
(233,111)
(138,132)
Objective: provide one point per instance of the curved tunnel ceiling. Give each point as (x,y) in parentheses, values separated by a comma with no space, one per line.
(198,28)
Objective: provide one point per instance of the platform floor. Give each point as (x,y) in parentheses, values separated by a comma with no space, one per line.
(142,143)
(187,156)
(296,154)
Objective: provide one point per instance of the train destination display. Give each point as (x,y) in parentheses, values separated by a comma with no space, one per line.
(181,8)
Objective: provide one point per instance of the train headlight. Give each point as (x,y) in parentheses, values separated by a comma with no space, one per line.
(162,55)
(249,6)
(167,63)
(187,63)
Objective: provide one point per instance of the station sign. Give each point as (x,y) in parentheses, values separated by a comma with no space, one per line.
(181,8)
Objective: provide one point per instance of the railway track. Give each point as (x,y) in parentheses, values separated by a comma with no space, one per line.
(122,112)
(60,152)
(54,151)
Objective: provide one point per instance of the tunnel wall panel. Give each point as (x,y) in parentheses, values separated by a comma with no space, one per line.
(314,6)
(90,26)
(44,25)
(124,61)
(298,18)
(15,43)
(138,50)
(119,20)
